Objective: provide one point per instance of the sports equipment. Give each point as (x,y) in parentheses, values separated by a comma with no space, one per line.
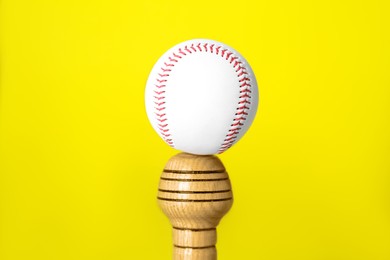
(194,193)
(201,97)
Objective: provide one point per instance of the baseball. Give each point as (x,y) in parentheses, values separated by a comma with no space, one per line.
(201,97)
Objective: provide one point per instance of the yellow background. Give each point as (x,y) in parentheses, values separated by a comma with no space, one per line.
(80,163)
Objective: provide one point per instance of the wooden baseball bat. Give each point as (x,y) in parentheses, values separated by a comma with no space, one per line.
(194,193)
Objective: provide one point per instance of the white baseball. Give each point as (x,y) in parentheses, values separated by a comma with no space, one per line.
(201,97)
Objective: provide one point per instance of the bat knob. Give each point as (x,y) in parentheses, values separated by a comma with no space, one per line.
(194,193)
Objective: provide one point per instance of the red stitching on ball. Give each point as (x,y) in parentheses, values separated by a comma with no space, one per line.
(236,63)
(240,68)
(244,102)
(236,123)
(245,96)
(217,49)
(242,113)
(233,133)
(245,90)
(244,85)
(187,50)
(228,55)
(159,103)
(176,56)
(182,52)
(242,118)
(193,48)
(240,107)
(205,47)
(233,58)
(158,98)
(230,138)
(243,79)
(242,73)
(211,47)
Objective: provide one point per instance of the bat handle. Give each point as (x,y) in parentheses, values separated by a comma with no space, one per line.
(194,193)
(194,244)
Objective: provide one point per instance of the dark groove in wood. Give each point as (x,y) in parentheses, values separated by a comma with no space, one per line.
(195,229)
(174,179)
(186,200)
(194,192)
(193,172)
(191,247)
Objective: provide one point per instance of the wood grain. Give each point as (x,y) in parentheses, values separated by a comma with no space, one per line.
(194,193)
